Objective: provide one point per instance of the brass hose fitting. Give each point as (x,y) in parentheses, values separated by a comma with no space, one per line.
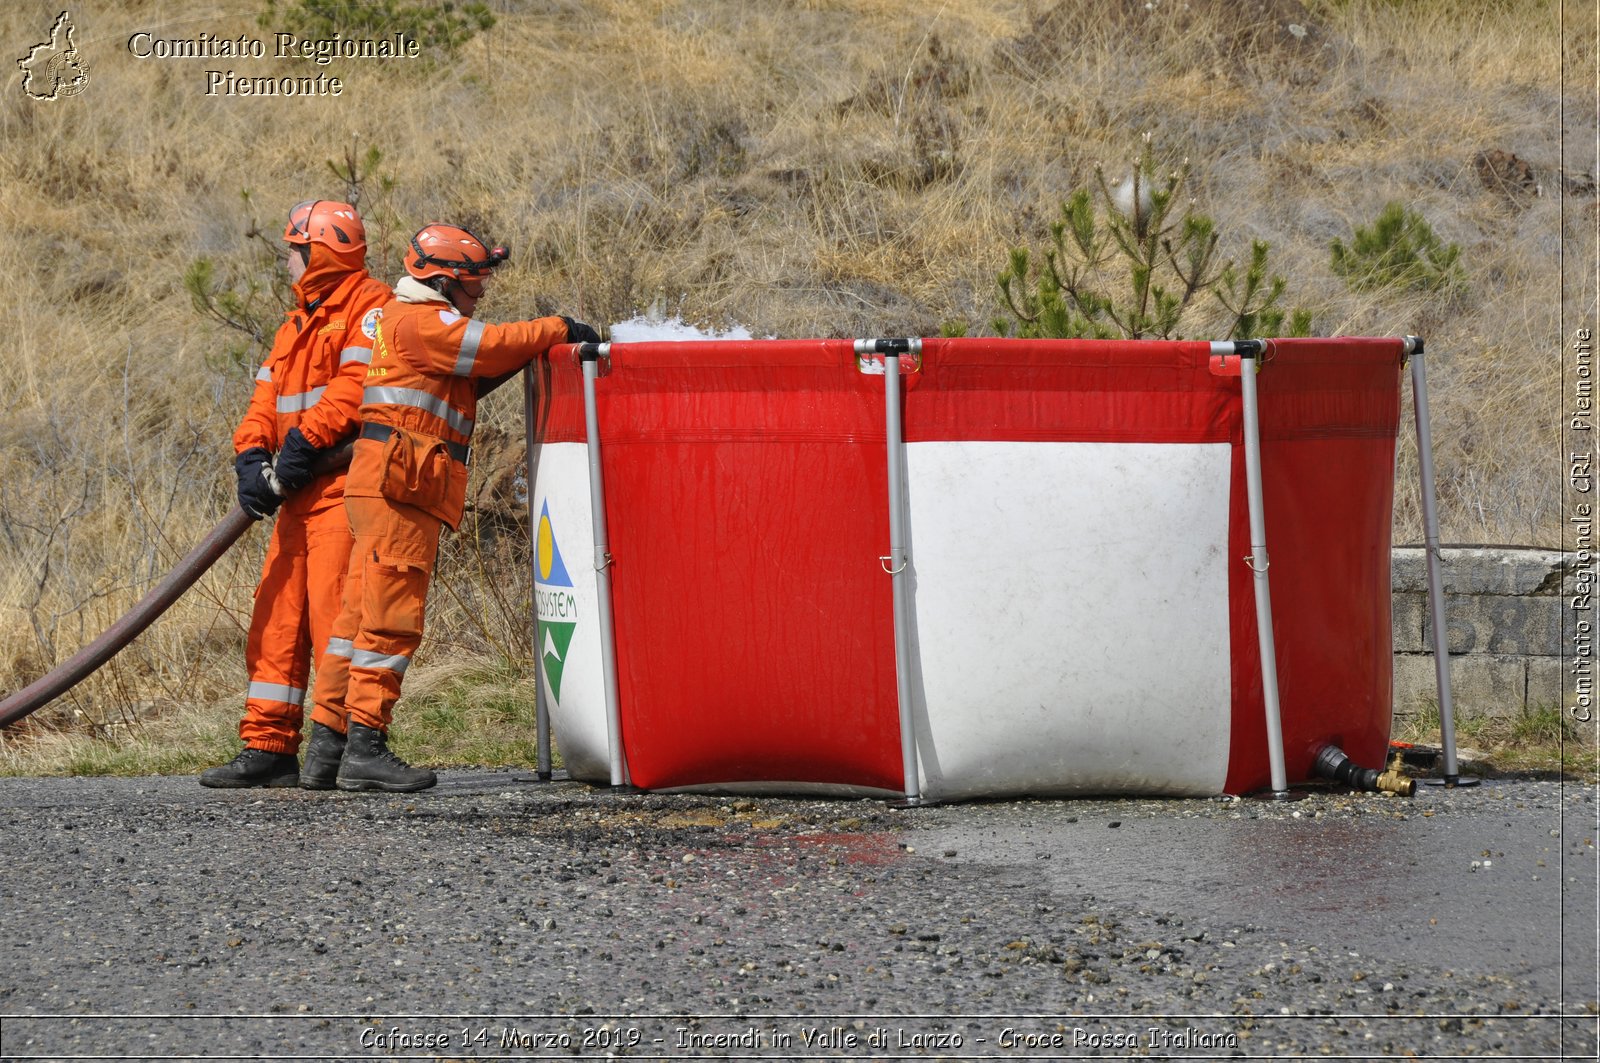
(1333,763)
(1394,779)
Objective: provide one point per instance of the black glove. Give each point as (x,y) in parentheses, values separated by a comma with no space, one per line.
(578,332)
(256,496)
(295,459)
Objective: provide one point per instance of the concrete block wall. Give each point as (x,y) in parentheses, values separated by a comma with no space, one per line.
(1509,616)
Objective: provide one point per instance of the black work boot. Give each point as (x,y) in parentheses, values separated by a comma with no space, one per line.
(369,765)
(254,767)
(323,754)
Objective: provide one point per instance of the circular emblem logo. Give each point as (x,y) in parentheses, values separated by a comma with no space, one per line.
(67,73)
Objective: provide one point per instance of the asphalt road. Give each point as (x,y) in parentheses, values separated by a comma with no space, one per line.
(498,917)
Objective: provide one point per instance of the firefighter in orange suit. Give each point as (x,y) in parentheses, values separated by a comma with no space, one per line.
(305,402)
(408,478)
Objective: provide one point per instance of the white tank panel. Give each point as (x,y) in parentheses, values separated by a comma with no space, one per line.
(1070,617)
(566,599)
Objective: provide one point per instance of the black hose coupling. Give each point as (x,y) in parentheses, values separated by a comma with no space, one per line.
(1333,763)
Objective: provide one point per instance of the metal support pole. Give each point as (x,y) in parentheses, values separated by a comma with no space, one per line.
(898,563)
(1430,531)
(1251,351)
(590,354)
(541,708)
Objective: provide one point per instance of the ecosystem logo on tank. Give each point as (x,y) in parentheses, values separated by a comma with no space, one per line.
(555,603)
(55,69)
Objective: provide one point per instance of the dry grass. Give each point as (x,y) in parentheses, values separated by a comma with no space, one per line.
(804,167)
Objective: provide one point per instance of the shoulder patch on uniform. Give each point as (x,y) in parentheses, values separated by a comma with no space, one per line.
(369,324)
(449,317)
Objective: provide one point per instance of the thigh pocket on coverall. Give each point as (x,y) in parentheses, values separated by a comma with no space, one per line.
(394,593)
(416,469)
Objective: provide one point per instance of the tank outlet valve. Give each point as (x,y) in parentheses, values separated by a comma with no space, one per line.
(1333,763)
(1394,779)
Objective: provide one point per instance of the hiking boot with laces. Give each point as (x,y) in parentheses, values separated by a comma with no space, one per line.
(323,754)
(369,764)
(254,767)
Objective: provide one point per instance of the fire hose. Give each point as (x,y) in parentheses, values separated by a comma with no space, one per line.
(80,665)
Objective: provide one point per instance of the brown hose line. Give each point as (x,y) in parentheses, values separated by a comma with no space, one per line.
(80,665)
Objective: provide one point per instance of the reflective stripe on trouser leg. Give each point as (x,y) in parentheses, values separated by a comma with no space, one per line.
(393,596)
(277,652)
(333,681)
(396,546)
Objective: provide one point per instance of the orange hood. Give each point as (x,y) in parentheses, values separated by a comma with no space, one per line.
(326,270)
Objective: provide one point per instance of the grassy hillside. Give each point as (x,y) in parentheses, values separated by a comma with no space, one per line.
(800,167)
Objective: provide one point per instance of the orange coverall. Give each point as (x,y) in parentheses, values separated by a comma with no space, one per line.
(312,380)
(408,477)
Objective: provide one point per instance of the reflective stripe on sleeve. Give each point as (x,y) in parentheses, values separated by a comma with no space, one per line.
(356,354)
(469,348)
(422,401)
(299,403)
(264,375)
(287,695)
(394,662)
(340,648)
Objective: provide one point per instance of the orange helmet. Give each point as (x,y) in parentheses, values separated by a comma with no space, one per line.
(335,225)
(450,251)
